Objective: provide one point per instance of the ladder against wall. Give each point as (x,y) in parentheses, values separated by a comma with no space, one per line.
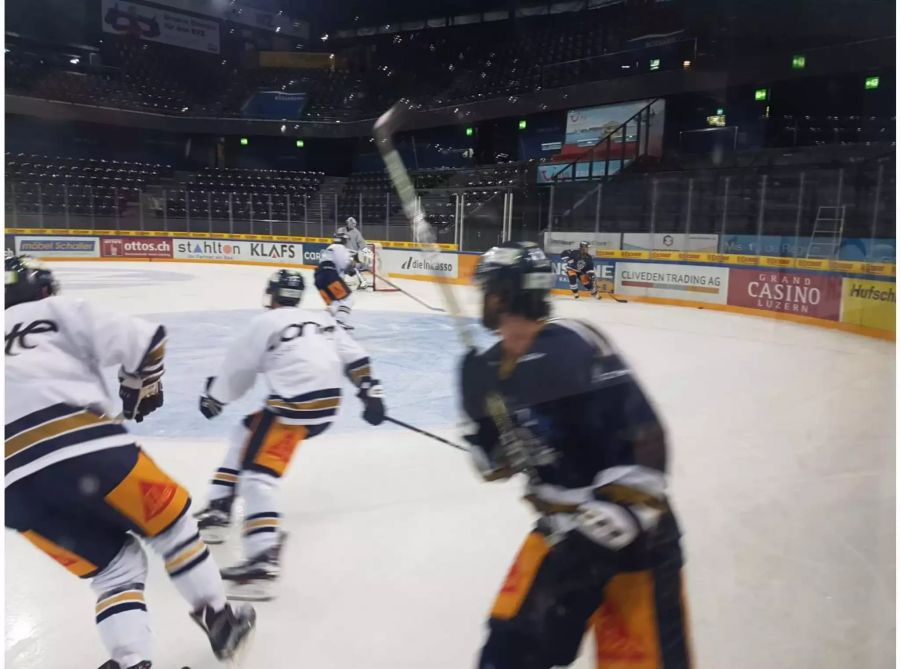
(827,233)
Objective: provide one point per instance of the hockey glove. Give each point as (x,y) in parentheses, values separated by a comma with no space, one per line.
(371,392)
(209,405)
(140,397)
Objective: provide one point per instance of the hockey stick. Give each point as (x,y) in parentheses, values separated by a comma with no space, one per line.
(386,125)
(408,294)
(424,432)
(384,129)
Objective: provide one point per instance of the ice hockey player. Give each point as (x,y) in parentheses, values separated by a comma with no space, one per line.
(579,266)
(554,400)
(77,485)
(336,261)
(303,355)
(356,244)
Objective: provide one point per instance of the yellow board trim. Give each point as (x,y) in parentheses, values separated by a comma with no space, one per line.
(51,232)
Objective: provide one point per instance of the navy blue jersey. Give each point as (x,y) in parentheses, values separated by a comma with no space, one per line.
(574,393)
(577,261)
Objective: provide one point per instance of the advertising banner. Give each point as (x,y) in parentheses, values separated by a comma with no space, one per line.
(153,24)
(869,303)
(211,249)
(414,263)
(129,247)
(799,293)
(275,105)
(557,242)
(851,248)
(664,241)
(60,247)
(287,253)
(588,126)
(679,282)
(603,269)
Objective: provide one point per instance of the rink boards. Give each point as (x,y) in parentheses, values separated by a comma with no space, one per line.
(856,297)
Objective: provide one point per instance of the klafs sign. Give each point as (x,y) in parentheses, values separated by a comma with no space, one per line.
(286,253)
(696,283)
(154,24)
(128,247)
(59,247)
(786,292)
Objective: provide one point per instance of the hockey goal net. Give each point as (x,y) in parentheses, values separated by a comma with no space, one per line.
(374,267)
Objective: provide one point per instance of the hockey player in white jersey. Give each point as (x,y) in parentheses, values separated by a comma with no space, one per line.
(336,261)
(77,485)
(303,355)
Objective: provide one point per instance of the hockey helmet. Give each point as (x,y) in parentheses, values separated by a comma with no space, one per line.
(520,276)
(351,223)
(584,246)
(285,288)
(28,280)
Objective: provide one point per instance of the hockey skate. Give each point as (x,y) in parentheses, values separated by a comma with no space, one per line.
(110,664)
(215,520)
(228,630)
(253,579)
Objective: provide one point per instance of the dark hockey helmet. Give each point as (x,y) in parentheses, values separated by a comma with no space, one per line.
(341,238)
(285,287)
(27,280)
(519,277)
(584,246)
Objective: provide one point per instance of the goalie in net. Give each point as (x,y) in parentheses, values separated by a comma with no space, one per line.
(372,269)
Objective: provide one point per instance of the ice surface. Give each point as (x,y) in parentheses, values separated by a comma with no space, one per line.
(782,441)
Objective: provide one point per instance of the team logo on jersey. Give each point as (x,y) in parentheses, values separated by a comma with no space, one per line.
(156,497)
(20,333)
(615,642)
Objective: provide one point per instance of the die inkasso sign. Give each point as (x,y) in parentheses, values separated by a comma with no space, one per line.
(696,283)
(417,263)
(286,253)
(815,295)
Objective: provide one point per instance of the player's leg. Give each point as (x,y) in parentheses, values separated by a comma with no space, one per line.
(148,502)
(90,549)
(539,616)
(336,294)
(215,519)
(642,623)
(572,275)
(270,448)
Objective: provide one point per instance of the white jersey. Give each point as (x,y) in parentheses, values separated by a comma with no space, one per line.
(303,356)
(57,404)
(339,256)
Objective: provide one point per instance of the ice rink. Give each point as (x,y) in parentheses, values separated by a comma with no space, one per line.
(782,441)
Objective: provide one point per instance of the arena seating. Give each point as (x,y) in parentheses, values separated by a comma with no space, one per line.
(48,183)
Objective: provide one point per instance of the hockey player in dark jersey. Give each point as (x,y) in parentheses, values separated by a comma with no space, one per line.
(579,266)
(555,401)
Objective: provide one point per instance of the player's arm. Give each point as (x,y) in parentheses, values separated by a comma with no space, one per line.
(490,449)
(238,372)
(359,370)
(136,346)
